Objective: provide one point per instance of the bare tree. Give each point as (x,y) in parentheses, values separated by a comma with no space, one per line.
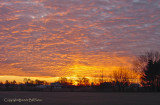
(121,75)
(121,78)
(63,80)
(148,65)
(142,61)
(83,81)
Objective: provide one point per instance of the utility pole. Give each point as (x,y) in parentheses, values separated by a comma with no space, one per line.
(102,76)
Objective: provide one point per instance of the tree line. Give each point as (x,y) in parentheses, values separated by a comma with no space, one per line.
(146,65)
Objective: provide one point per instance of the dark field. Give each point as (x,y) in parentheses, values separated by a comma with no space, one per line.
(81,98)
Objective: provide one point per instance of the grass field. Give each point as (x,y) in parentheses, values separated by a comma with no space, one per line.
(79,98)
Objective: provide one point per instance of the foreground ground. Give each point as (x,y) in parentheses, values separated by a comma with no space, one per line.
(79,98)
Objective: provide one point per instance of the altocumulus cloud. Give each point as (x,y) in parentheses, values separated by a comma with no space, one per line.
(47,37)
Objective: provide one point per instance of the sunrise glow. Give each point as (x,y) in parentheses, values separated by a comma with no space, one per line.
(49,39)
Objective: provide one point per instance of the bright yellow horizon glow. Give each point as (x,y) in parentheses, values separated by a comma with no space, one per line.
(95,79)
(20,79)
(93,71)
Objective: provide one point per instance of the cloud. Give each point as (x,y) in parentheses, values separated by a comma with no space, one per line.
(27,9)
(44,37)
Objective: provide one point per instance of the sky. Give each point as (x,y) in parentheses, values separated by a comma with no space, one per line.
(56,38)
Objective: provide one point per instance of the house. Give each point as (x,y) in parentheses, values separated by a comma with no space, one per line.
(42,86)
(56,85)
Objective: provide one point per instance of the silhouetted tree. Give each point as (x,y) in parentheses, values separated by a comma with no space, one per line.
(63,80)
(7,84)
(121,75)
(83,81)
(141,62)
(40,82)
(46,83)
(13,82)
(150,71)
(121,78)
(28,82)
(1,83)
(70,82)
(150,77)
